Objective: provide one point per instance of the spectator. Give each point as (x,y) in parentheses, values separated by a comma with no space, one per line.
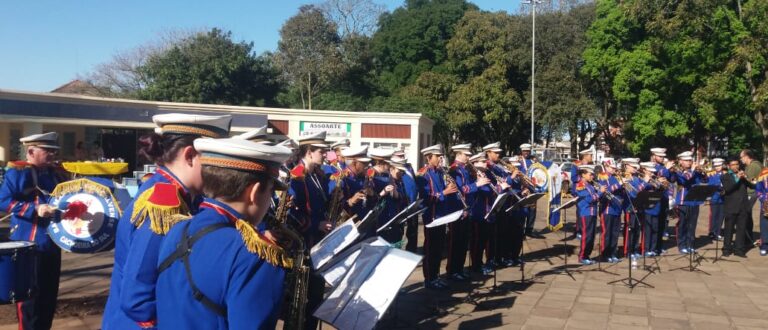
(80,153)
(752,168)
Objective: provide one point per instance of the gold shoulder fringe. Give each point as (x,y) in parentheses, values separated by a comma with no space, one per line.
(86,186)
(256,244)
(161,217)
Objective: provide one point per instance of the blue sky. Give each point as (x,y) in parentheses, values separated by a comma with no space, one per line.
(46,43)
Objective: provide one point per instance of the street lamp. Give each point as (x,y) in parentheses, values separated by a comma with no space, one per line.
(533,4)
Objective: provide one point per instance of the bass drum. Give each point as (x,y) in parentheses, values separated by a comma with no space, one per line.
(86,220)
(18,267)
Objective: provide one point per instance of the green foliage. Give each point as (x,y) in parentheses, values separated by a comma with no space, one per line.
(210,68)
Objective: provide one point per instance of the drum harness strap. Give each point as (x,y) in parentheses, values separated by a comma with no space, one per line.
(183,249)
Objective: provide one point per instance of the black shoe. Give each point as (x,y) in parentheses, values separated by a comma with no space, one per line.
(535,235)
(727,253)
(740,254)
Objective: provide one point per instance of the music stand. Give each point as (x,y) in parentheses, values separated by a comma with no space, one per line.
(641,202)
(697,193)
(563,207)
(526,201)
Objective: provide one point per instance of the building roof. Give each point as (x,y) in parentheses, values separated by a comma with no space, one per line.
(78,87)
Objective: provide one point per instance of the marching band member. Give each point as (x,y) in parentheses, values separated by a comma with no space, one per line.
(380,186)
(309,189)
(610,213)
(459,231)
(632,216)
(173,191)
(651,242)
(585,158)
(353,180)
(482,239)
(24,195)
(504,226)
(398,202)
(688,212)
(716,213)
(761,191)
(517,216)
(587,210)
(234,274)
(409,181)
(435,194)
(530,212)
(664,177)
(337,148)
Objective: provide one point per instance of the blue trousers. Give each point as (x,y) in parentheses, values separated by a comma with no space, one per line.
(716,217)
(688,217)
(651,233)
(587,235)
(611,226)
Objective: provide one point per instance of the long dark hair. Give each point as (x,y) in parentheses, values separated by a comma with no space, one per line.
(162,149)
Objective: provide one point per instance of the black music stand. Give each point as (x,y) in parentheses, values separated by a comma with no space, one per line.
(697,193)
(497,206)
(651,201)
(527,201)
(642,201)
(563,207)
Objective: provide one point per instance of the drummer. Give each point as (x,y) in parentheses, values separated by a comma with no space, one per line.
(173,190)
(24,195)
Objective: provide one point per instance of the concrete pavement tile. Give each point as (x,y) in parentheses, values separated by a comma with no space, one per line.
(664,323)
(596,308)
(667,314)
(628,310)
(750,322)
(551,312)
(545,322)
(708,318)
(594,300)
(629,320)
(548,303)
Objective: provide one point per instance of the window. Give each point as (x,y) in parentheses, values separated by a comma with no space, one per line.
(68,144)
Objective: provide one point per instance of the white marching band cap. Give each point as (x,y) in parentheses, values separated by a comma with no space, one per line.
(186,124)
(649,166)
(340,144)
(661,152)
(315,140)
(479,157)
(588,168)
(244,155)
(398,163)
(589,151)
(359,154)
(634,162)
(380,154)
(514,160)
(433,150)
(258,135)
(399,152)
(495,147)
(288,143)
(525,146)
(718,161)
(609,162)
(463,148)
(687,155)
(44,140)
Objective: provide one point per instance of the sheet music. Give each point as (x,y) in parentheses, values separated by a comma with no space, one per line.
(402,214)
(369,288)
(444,220)
(336,268)
(500,199)
(333,243)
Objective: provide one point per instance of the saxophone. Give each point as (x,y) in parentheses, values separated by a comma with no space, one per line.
(335,212)
(297,279)
(450,181)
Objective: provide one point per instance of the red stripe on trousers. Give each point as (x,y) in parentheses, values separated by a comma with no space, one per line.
(583,236)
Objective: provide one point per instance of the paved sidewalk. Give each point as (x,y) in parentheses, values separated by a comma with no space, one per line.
(733,296)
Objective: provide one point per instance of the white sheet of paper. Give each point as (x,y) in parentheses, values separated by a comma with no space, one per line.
(333,273)
(499,198)
(368,289)
(444,220)
(333,243)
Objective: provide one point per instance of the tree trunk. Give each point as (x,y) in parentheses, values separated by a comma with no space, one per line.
(309,90)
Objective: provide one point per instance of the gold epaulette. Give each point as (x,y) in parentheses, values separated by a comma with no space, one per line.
(580,185)
(297,173)
(86,186)
(164,207)
(18,164)
(602,176)
(763,174)
(257,244)
(422,170)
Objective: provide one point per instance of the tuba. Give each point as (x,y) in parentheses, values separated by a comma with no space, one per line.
(297,279)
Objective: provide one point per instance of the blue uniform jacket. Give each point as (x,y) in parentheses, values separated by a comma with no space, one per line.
(761,191)
(714,180)
(351,184)
(310,201)
(409,180)
(483,199)
(225,271)
(616,205)
(588,198)
(662,171)
(19,197)
(431,184)
(131,299)
(686,180)
(465,183)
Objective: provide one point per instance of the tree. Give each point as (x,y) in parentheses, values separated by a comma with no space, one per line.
(353,17)
(120,77)
(308,53)
(412,39)
(210,68)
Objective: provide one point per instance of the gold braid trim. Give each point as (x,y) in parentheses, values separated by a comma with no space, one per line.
(190,130)
(256,244)
(161,217)
(88,187)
